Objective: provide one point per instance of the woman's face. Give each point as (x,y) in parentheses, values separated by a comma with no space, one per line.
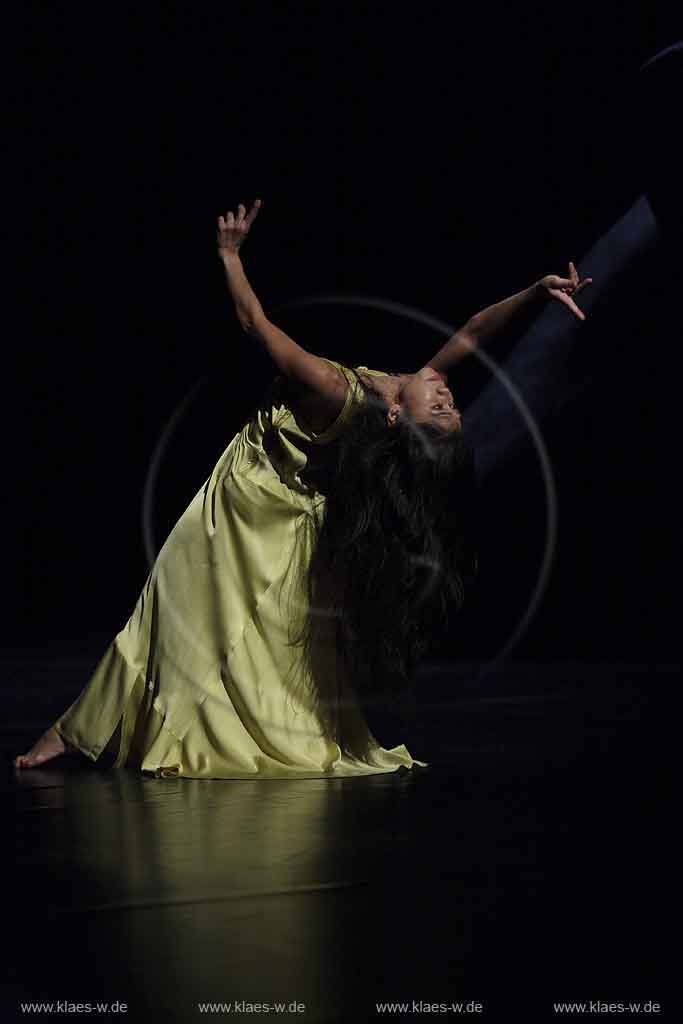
(425,397)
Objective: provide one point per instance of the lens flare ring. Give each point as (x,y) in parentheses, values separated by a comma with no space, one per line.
(440,327)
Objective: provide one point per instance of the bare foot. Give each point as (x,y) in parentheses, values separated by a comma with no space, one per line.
(49,745)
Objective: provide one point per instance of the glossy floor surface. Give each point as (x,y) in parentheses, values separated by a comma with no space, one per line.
(522,868)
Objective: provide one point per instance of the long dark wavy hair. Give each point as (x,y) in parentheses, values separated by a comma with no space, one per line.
(395,553)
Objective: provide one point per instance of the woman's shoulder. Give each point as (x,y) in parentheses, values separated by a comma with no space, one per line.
(350,371)
(323,423)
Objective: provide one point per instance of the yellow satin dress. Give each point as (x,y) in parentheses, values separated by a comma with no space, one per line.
(204,679)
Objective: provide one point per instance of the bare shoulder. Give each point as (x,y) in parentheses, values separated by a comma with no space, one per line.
(339,377)
(320,404)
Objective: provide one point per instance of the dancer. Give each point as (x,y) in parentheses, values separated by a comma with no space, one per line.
(308,573)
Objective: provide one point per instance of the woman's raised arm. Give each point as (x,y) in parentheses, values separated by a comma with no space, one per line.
(494,320)
(230,236)
(319,381)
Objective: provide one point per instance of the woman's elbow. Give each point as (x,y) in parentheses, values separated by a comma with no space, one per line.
(251,320)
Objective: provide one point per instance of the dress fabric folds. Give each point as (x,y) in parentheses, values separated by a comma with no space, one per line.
(205,679)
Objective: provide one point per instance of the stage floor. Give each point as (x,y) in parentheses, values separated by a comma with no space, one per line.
(522,868)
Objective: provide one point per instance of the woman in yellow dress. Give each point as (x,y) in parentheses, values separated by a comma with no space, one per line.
(305,576)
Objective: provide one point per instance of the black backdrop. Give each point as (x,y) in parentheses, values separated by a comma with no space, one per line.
(436,159)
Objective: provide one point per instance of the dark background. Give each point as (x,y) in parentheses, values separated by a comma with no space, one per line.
(420,154)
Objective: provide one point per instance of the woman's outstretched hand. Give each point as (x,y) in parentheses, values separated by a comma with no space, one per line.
(565,289)
(232,230)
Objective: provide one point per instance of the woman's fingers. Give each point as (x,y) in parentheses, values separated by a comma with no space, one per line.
(563,288)
(570,303)
(573,274)
(572,284)
(232,230)
(251,216)
(243,220)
